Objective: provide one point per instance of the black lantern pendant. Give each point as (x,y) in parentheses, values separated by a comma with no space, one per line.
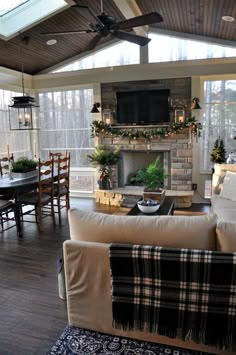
(23,113)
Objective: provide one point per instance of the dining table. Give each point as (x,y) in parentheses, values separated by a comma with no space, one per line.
(14,187)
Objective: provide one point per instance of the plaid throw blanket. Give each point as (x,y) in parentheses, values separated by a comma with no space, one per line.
(180,293)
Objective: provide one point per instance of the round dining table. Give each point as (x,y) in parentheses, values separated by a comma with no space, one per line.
(15,187)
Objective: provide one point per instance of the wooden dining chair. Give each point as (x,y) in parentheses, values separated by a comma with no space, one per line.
(7,215)
(43,197)
(4,164)
(62,184)
(4,171)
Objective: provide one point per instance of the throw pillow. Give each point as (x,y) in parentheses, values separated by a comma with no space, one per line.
(226,236)
(194,232)
(228,189)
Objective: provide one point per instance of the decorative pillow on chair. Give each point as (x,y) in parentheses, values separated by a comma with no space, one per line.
(228,189)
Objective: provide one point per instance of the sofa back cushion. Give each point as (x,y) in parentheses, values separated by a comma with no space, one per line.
(226,236)
(193,232)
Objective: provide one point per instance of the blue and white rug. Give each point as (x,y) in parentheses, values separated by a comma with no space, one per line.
(77,341)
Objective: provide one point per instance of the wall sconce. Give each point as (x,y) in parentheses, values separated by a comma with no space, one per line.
(195,104)
(95,107)
(179,116)
(107,116)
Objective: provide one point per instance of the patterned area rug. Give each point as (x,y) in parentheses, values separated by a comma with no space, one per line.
(77,341)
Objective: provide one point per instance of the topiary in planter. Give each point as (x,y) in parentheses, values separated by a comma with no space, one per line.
(23,165)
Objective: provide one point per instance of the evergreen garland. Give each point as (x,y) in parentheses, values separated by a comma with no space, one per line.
(218,154)
(101,128)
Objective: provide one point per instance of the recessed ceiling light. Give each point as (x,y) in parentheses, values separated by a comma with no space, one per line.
(228,18)
(51,42)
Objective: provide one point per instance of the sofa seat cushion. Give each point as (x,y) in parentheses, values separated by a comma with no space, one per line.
(221,203)
(226,215)
(193,232)
(226,236)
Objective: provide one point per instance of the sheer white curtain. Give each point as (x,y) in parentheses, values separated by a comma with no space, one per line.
(123,53)
(18,141)
(65,124)
(218,118)
(164,48)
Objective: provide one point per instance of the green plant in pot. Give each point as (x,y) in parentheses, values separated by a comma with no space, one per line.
(23,165)
(103,158)
(218,154)
(152,179)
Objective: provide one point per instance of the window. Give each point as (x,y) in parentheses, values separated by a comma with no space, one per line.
(218,118)
(167,48)
(119,54)
(65,124)
(18,142)
(10,5)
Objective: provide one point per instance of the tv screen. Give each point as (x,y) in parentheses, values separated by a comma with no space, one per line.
(143,107)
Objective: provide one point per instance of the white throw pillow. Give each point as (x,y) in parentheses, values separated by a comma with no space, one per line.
(228,189)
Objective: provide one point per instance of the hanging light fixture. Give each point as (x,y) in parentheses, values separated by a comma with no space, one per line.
(195,104)
(95,107)
(23,111)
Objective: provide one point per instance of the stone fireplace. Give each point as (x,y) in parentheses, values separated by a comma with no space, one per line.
(175,151)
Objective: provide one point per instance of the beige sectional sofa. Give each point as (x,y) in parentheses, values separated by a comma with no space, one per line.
(223,204)
(87,267)
(223,199)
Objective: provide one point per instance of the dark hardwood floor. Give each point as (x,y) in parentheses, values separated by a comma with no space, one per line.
(32,316)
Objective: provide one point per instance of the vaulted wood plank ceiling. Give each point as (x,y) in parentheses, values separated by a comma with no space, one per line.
(191,17)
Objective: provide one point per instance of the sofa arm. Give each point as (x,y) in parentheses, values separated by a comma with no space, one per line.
(88,283)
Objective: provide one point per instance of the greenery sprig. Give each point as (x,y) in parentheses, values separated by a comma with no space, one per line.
(99,128)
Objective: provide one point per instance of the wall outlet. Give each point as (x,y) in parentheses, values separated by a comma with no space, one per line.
(194,187)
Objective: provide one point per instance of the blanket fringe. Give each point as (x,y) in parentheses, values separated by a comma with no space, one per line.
(227,341)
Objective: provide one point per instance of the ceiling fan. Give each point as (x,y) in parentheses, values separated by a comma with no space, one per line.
(104,25)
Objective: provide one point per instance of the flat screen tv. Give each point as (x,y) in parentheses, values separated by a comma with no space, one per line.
(143,107)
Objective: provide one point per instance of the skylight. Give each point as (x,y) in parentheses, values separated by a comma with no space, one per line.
(10,5)
(18,15)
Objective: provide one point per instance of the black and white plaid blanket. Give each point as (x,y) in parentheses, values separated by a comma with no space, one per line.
(180,293)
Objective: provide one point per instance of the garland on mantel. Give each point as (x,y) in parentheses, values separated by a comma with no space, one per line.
(99,128)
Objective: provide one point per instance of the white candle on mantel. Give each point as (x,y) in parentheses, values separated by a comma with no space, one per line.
(8,151)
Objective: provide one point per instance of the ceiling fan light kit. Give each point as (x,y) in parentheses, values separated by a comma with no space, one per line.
(104,25)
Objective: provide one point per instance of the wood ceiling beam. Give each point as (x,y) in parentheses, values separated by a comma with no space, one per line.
(129,8)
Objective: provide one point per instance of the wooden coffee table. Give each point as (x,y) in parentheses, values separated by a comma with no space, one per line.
(166,209)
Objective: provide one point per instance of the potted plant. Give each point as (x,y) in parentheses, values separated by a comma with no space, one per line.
(104,157)
(152,179)
(24,168)
(218,154)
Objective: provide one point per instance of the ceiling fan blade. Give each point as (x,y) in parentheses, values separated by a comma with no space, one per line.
(141,41)
(142,20)
(65,32)
(92,44)
(88,15)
